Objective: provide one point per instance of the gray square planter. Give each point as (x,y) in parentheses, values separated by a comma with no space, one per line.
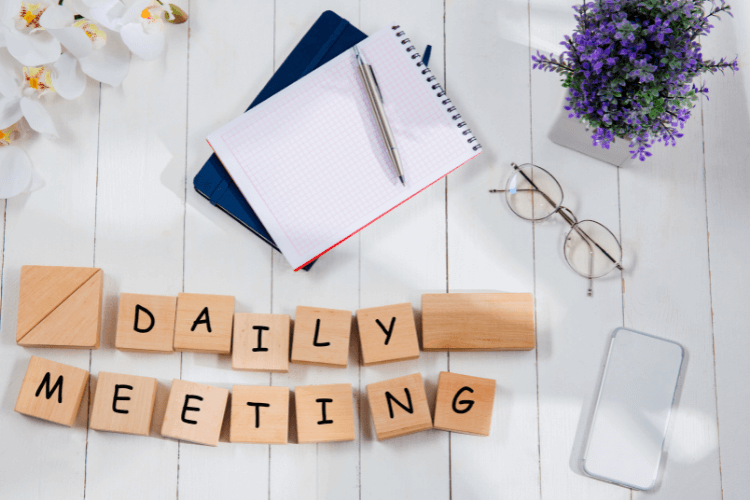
(571,133)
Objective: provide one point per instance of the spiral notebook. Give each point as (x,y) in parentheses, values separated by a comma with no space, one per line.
(311,160)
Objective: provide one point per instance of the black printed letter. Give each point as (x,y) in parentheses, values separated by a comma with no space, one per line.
(120,398)
(389,398)
(324,401)
(260,348)
(315,339)
(185,407)
(389,331)
(199,321)
(258,406)
(138,309)
(49,392)
(468,402)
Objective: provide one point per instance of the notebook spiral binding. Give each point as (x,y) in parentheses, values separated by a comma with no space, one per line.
(436,86)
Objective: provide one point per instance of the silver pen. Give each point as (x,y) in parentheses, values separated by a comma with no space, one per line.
(376,102)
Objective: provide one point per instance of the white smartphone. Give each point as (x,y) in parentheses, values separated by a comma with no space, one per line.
(627,434)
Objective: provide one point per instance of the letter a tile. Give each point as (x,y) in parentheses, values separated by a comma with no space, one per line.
(204,323)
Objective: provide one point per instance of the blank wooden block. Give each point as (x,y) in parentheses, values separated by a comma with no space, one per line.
(52,391)
(260,414)
(399,406)
(194,412)
(204,323)
(321,336)
(387,334)
(325,413)
(145,323)
(261,342)
(123,403)
(464,404)
(60,307)
(478,322)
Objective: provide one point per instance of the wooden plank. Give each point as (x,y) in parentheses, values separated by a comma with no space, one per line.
(51,226)
(403,256)
(325,470)
(228,67)
(489,249)
(726,129)
(139,243)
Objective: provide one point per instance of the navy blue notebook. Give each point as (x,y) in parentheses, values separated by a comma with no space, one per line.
(328,37)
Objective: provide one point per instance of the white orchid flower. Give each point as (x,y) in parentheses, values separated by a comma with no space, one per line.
(24,36)
(101,53)
(16,174)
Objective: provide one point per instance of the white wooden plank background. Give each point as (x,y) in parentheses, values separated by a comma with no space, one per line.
(119,196)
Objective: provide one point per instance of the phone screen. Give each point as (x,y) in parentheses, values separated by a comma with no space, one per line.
(632,412)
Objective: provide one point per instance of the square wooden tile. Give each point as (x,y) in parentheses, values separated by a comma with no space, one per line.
(387,334)
(60,307)
(123,403)
(146,323)
(194,412)
(324,413)
(261,342)
(52,391)
(464,404)
(321,336)
(204,323)
(399,406)
(259,414)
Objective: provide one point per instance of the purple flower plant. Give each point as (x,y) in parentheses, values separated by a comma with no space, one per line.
(630,66)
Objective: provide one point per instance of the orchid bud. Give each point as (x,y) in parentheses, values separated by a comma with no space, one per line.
(175,15)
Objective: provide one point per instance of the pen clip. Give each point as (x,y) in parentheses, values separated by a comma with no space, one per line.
(377,86)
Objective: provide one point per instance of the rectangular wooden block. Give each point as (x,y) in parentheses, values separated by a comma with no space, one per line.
(321,336)
(123,403)
(261,342)
(325,413)
(204,323)
(399,406)
(52,391)
(194,412)
(478,322)
(464,404)
(387,334)
(60,307)
(259,414)
(146,323)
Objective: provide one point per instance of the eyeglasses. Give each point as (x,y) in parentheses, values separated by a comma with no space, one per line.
(590,249)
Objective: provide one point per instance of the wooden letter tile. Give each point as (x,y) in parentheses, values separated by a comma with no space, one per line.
(204,323)
(146,323)
(260,414)
(387,334)
(194,412)
(261,342)
(60,307)
(324,413)
(321,336)
(399,406)
(52,391)
(478,322)
(123,403)
(464,404)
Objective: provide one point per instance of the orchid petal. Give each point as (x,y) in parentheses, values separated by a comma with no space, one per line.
(67,77)
(144,45)
(3,43)
(110,64)
(10,112)
(10,9)
(10,83)
(107,14)
(73,39)
(38,117)
(16,173)
(133,13)
(56,17)
(33,50)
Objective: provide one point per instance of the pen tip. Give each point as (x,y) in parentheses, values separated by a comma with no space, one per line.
(401,178)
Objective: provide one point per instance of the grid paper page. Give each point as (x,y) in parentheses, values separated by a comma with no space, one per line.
(311,161)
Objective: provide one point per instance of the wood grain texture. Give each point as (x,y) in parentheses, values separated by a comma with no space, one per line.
(204,323)
(464,404)
(387,334)
(321,336)
(266,424)
(158,319)
(325,413)
(399,406)
(132,396)
(478,321)
(261,342)
(195,412)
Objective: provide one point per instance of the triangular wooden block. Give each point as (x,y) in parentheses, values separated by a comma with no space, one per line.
(75,323)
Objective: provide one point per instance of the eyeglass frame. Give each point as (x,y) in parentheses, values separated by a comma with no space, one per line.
(569,217)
